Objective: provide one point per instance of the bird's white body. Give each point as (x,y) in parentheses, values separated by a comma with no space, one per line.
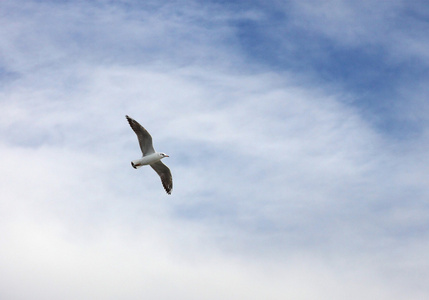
(147,160)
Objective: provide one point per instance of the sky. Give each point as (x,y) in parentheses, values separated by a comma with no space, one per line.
(297,133)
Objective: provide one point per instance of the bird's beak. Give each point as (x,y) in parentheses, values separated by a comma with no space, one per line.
(167,155)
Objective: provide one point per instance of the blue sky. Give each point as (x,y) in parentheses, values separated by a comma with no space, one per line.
(297,133)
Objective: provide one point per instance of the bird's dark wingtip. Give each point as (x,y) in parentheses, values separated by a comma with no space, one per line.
(168,189)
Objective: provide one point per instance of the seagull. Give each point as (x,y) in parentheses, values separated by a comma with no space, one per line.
(150,156)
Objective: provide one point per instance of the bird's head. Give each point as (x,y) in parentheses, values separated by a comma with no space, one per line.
(163,155)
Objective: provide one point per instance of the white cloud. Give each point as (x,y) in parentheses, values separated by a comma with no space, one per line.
(281,189)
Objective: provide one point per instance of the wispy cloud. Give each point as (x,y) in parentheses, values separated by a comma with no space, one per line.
(283,185)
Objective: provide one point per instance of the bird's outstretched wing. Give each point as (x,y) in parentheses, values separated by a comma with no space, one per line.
(165,174)
(145,139)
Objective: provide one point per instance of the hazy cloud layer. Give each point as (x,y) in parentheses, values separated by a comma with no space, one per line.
(291,180)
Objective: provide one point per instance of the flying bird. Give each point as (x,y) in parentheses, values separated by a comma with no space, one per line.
(150,156)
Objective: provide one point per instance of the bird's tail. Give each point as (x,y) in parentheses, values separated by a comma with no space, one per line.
(136,164)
